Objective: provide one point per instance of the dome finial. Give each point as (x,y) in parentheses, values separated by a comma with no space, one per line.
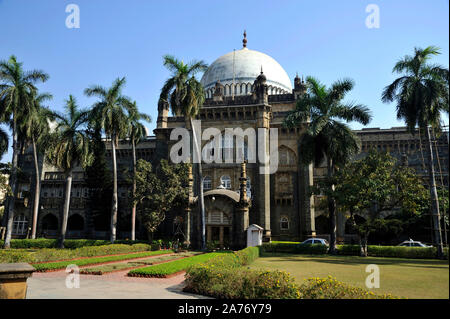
(244,41)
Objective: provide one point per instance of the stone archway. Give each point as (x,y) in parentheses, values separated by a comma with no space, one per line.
(219,209)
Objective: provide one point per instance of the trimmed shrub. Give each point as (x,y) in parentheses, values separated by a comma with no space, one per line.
(224,277)
(353,250)
(240,283)
(40,243)
(392,251)
(330,288)
(294,248)
(16,256)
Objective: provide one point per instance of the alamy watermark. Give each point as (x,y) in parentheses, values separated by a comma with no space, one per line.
(232,145)
(73,19)
(373,19)
(373,279)
(73,277)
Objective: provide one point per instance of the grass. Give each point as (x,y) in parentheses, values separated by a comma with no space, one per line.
(172,267)
(410,278)
(95,260)
(103,269)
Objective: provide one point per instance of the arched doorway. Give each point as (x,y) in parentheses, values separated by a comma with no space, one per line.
(218,228)
(219,208)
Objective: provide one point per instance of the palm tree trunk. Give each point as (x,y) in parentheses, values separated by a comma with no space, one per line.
(332,209)
(133,209)
(37,191)
(200,181)
(114,198)
(66,208)
(434,198)
(13,185)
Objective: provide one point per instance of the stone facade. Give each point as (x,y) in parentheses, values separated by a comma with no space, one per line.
(236,195)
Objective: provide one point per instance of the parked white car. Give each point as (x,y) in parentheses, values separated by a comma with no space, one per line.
(311,241)
(412,243)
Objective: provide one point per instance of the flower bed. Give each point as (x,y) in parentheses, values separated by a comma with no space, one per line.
(330,288)
(52,266)
(172,268)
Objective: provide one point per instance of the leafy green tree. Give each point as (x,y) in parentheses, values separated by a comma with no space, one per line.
(16,95)
(35,130)
(136,133)
(158,189)
(326,137)
(112,112)
(68,147)
(185,95)
(421,95)
(373,185)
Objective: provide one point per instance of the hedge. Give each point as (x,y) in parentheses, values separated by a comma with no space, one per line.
(53,254)
(173,267)
(40,243)
(296,248)
(95,260)
(354,250)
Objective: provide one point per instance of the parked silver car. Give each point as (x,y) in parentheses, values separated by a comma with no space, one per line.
(311,241)
(412,243)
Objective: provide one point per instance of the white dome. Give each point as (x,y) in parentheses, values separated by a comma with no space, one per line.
(247,67)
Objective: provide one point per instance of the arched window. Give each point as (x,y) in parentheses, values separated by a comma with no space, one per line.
(287,157)
(207,183)
(225,181)
(284,223)
(20,225)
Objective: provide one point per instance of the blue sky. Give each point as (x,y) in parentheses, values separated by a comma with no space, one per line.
(326,39)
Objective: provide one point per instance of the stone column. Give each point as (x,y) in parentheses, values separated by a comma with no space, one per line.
(307,214)
(241,216)
(263,176)
(187,216)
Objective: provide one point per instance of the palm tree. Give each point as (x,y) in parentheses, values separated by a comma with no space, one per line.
(421,94)
(68,147)
(112,112)
(35,130)
(185,95)
(326,136)
(136,133)
(16,91)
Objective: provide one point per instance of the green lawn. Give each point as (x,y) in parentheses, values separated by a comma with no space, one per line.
(411,278)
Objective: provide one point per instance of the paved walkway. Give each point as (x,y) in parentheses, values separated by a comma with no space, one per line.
(117,285)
